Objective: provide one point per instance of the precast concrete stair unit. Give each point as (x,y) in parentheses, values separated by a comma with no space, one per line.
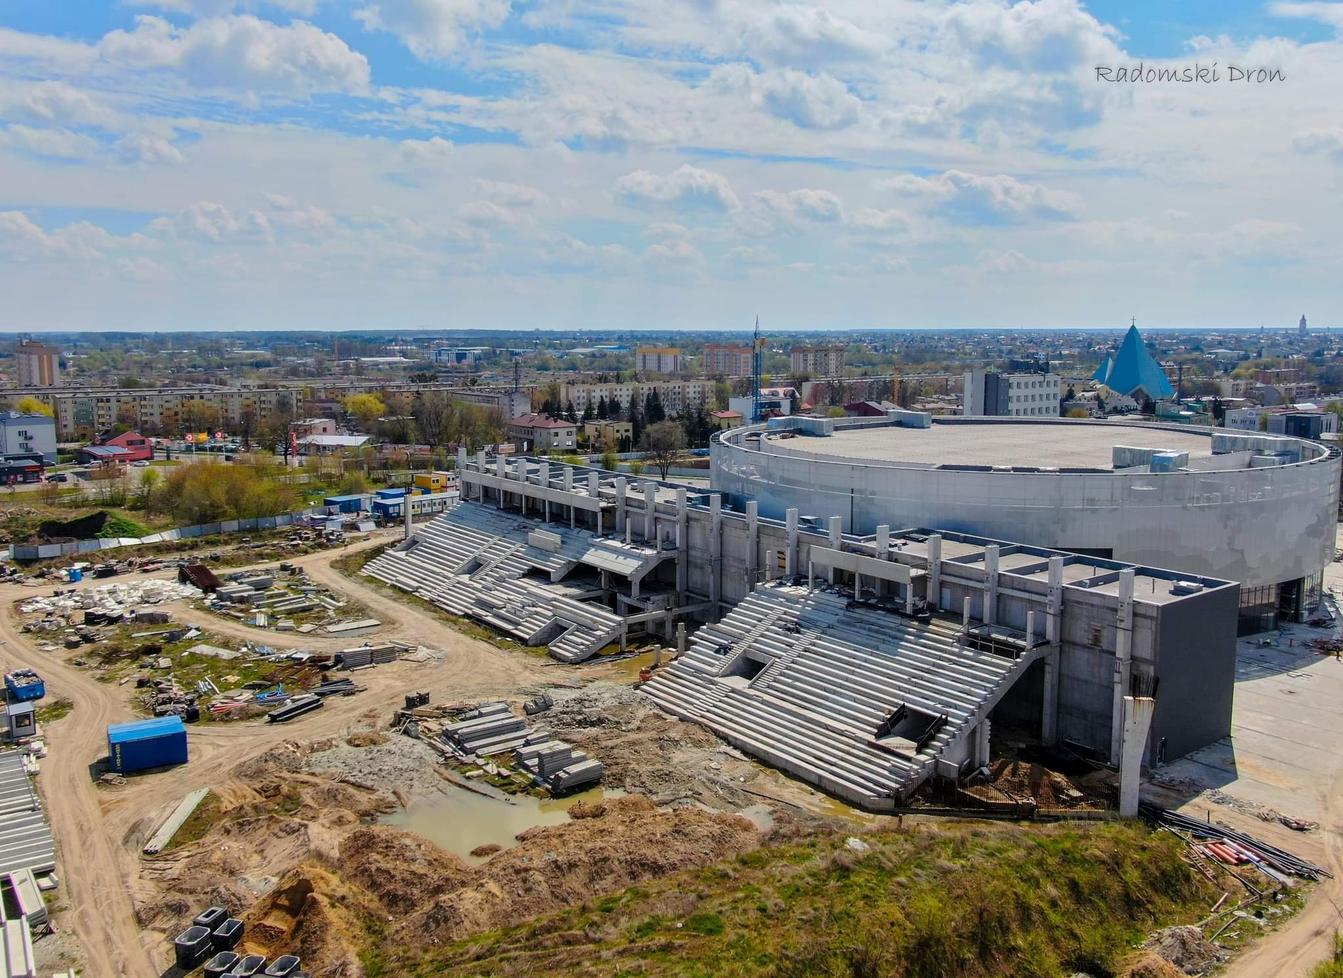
(855,699)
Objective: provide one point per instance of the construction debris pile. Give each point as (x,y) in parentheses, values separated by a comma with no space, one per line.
(1234,849)
(483,734)
(286,601)
(76,616)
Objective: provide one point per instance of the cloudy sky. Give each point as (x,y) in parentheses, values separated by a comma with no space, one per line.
(562,164)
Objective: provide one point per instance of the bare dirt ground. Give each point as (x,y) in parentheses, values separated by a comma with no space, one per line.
(99,831)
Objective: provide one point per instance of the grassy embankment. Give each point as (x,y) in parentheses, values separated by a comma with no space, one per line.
(950,901)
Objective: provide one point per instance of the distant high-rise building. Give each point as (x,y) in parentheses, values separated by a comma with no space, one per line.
(1301,326)
(727,361)
(818,361)
(657,360)
(39,364)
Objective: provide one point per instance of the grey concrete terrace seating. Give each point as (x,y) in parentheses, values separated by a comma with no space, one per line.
(477,562)
(805,682)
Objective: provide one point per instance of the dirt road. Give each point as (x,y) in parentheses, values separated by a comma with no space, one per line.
(99,831)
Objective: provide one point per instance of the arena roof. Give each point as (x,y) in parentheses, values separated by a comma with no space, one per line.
(1061,444)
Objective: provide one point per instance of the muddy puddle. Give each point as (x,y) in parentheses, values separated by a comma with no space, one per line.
(461,821)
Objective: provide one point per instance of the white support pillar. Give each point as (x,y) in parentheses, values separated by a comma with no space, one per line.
(594,493)
(1123,661)
(934,570)
(836,538)
(405,503)
(620,506)
(965,614)
(650,511)
(1137,712)
(1049,710)
(1030,628)
(991,584)
(500,470)
(982,752)
(680,638)
(771,564)
(545,484)
(752,541)
(790,555)
(883,542)
(682,545)
(715,553)
(809,575)
(568,478)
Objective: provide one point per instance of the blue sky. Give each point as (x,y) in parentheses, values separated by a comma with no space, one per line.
(560,164)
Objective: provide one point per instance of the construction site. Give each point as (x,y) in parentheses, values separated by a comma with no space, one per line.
(594,719)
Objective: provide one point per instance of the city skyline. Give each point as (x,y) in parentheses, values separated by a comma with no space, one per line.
(187,165)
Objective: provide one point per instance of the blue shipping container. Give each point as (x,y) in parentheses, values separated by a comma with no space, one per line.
(144,744)
(395,493)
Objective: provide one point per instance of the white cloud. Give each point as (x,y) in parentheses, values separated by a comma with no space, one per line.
(507,194)
(146,148)
(676,257)
(22,239)
(686,186)
(53,103)
(750,255)
(802,205)
(215,224)
(1328,142)
(818,101)
(1045,35)
(241,51)
(285,212)
(1329,13)
(973,199)
(890,264)
(213,8)
(873,219)
(57,144)
(426,154)
(433,29)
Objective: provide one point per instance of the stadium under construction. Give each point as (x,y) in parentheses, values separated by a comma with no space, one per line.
(864,663)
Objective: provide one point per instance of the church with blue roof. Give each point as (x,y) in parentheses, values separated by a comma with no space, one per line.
(1133,372)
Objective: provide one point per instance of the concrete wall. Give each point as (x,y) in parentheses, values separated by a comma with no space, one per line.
(1255,526)
(1196,660)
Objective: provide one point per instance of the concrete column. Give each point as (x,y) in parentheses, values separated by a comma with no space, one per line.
(1030,628)
(991,584)
(680,638)
(501,472)
(790,555)
(752,541)
(771,564)
(594,493)
(1137,721)
(715,553)
(809,575)
(461,460)
(935,570)
(682,545)
(965,614)
(1123,662)
(405,504)
(568,478)
(836,535)
(982,752)
(857,586)
(909,598)
(883,541)
(620,505)
(1049,710)
(650,510)
(545,484)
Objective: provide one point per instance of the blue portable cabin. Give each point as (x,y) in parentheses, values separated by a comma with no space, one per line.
(344,504)
(144,744)
(388,503)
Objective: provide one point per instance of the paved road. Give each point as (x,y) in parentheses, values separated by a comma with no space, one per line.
(99,831)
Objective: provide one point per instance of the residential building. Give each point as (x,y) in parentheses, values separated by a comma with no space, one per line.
(675,395)
(607,434)
(460,358)
(330,444)
(721,360)
(726,419)
(657,360)
(818,361)
(312,426)
(542,433)
(987,393)
(39,365)
(28,434)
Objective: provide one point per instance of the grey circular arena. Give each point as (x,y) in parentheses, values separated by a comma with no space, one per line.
(1241,506)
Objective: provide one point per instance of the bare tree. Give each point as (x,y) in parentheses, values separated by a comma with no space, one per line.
(663,442)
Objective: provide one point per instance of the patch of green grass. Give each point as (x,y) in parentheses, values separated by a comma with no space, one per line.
(121,525)
(1332,968)
(946,901)
(54,711)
